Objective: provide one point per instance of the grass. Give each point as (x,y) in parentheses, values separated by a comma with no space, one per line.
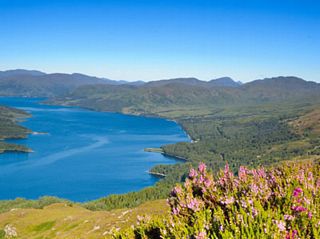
(61,220)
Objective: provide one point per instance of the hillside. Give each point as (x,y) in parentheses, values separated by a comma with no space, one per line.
(246,125)
(162,97)
(224,82)
(277,202)
(152,219)
(62,220)
(9,128)
(38,84)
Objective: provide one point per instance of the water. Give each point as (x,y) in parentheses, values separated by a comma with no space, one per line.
(84,155)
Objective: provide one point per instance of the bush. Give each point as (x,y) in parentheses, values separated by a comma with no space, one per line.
(280,202)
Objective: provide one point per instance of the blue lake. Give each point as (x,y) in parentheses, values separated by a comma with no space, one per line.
(85,155)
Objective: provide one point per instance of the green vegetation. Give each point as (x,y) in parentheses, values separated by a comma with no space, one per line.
(6,205)
(44,226)
(260,123)
(65,220)
(250,125)
(9,129)
(279,202)
(39,84)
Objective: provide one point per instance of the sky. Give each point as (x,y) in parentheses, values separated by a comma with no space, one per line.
(161,39)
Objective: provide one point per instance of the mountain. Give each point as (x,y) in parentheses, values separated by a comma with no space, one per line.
(191,81)
(19,72)
(189,93)
(281,88)
(224,82)
(39,84)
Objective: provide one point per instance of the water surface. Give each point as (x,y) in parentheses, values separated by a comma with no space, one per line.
(84,154)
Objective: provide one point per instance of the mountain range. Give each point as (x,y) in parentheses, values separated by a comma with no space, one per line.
(141,97)
(30,83)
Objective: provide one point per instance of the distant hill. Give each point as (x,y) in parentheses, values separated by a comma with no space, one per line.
(18,72)
(281,88)
(39,84)
(191,81)
(182,93)
(224,82)
(122,95)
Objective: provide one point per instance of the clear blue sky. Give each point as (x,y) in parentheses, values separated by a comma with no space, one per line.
(153,39)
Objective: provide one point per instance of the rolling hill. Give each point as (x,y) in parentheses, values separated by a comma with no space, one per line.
(38,84)
(185,93)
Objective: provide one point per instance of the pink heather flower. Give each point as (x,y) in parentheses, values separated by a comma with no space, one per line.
(202,167)
(288,217)
(299,209)
(207,183)
(301,176)
(281,225)
(243,204)
(228,200)
(242,173)
(193,204)
(306,200)
(193,173)
(201,235)
(291,235)
(254,212)
(175,211)
(177,190)
(254,189)
(261,172)
(297,191)
(201,179)
(310,215)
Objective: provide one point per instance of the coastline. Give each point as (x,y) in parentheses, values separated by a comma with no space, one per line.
(160,175)
(14,147)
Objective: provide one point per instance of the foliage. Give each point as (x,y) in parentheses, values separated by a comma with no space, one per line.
(246,125)
(279,202)
(10,129)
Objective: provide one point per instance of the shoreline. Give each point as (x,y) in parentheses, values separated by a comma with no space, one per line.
(160,175)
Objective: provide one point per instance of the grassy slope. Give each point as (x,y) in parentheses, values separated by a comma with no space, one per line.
(72,221)
(67,220)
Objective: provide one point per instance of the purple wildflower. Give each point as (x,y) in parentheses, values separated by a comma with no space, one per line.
(299,209)
(201,235)
(297,191)
(193,173)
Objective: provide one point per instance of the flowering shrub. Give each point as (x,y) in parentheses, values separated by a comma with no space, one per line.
(281,202)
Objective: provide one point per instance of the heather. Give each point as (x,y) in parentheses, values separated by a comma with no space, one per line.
(278,202)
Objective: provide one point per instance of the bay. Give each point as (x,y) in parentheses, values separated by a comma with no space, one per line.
(83,155)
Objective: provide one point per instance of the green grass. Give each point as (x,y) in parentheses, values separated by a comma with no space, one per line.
(61,220)
(45,226)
